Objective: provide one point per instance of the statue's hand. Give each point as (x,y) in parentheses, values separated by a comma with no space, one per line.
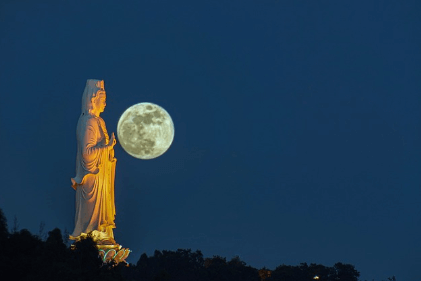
(111,155)
(113,141)
(111,144)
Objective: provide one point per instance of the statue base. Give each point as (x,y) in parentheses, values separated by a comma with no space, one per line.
(113,253)
(108,249)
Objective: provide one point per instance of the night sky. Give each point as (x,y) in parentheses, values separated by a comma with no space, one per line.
(297,125)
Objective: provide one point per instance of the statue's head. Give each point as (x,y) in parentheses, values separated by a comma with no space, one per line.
(94,97)
(98,102)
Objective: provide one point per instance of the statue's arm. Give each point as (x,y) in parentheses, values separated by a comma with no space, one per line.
(90,144)
(91,148)
(110,141)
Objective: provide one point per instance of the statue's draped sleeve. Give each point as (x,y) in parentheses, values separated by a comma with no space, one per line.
(89,151)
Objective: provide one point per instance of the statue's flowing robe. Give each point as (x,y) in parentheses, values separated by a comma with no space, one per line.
(94,180)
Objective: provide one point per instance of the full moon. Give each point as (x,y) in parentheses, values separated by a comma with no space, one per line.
(145,130)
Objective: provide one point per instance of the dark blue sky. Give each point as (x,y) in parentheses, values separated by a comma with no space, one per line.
(297,125)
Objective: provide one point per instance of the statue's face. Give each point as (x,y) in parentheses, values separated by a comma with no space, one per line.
(99,103)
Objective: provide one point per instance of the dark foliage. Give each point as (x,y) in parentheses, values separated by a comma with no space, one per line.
(24,256)
(3,227)
(304,272)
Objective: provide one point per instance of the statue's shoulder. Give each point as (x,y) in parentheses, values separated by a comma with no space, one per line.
(91,121)
(101,122)
(88,122)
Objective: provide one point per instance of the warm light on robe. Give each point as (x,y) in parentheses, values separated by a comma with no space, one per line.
(95,170)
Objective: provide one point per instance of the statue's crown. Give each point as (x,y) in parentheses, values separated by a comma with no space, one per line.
(100,84)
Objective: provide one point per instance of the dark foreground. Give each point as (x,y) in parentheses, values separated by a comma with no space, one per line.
(25,256)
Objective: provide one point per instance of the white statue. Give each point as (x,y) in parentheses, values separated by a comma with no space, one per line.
(95,169)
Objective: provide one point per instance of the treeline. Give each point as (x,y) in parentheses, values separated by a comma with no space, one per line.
(24,256)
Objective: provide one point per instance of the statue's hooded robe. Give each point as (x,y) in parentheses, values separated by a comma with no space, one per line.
(95,170)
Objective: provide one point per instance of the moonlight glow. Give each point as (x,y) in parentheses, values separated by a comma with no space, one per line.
(145,130)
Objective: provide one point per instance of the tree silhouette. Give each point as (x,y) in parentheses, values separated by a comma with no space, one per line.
(85,257)
(143,265)
(23,252)
(290,273)
(217,268)
(55,248)
(303,272)
(15,225)
(345,272)
(241,272)
(323,272)
(4,234)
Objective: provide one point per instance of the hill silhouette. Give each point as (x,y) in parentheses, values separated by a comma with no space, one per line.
(25,256)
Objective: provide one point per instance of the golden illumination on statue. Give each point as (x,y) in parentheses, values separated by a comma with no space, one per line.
(95,170)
